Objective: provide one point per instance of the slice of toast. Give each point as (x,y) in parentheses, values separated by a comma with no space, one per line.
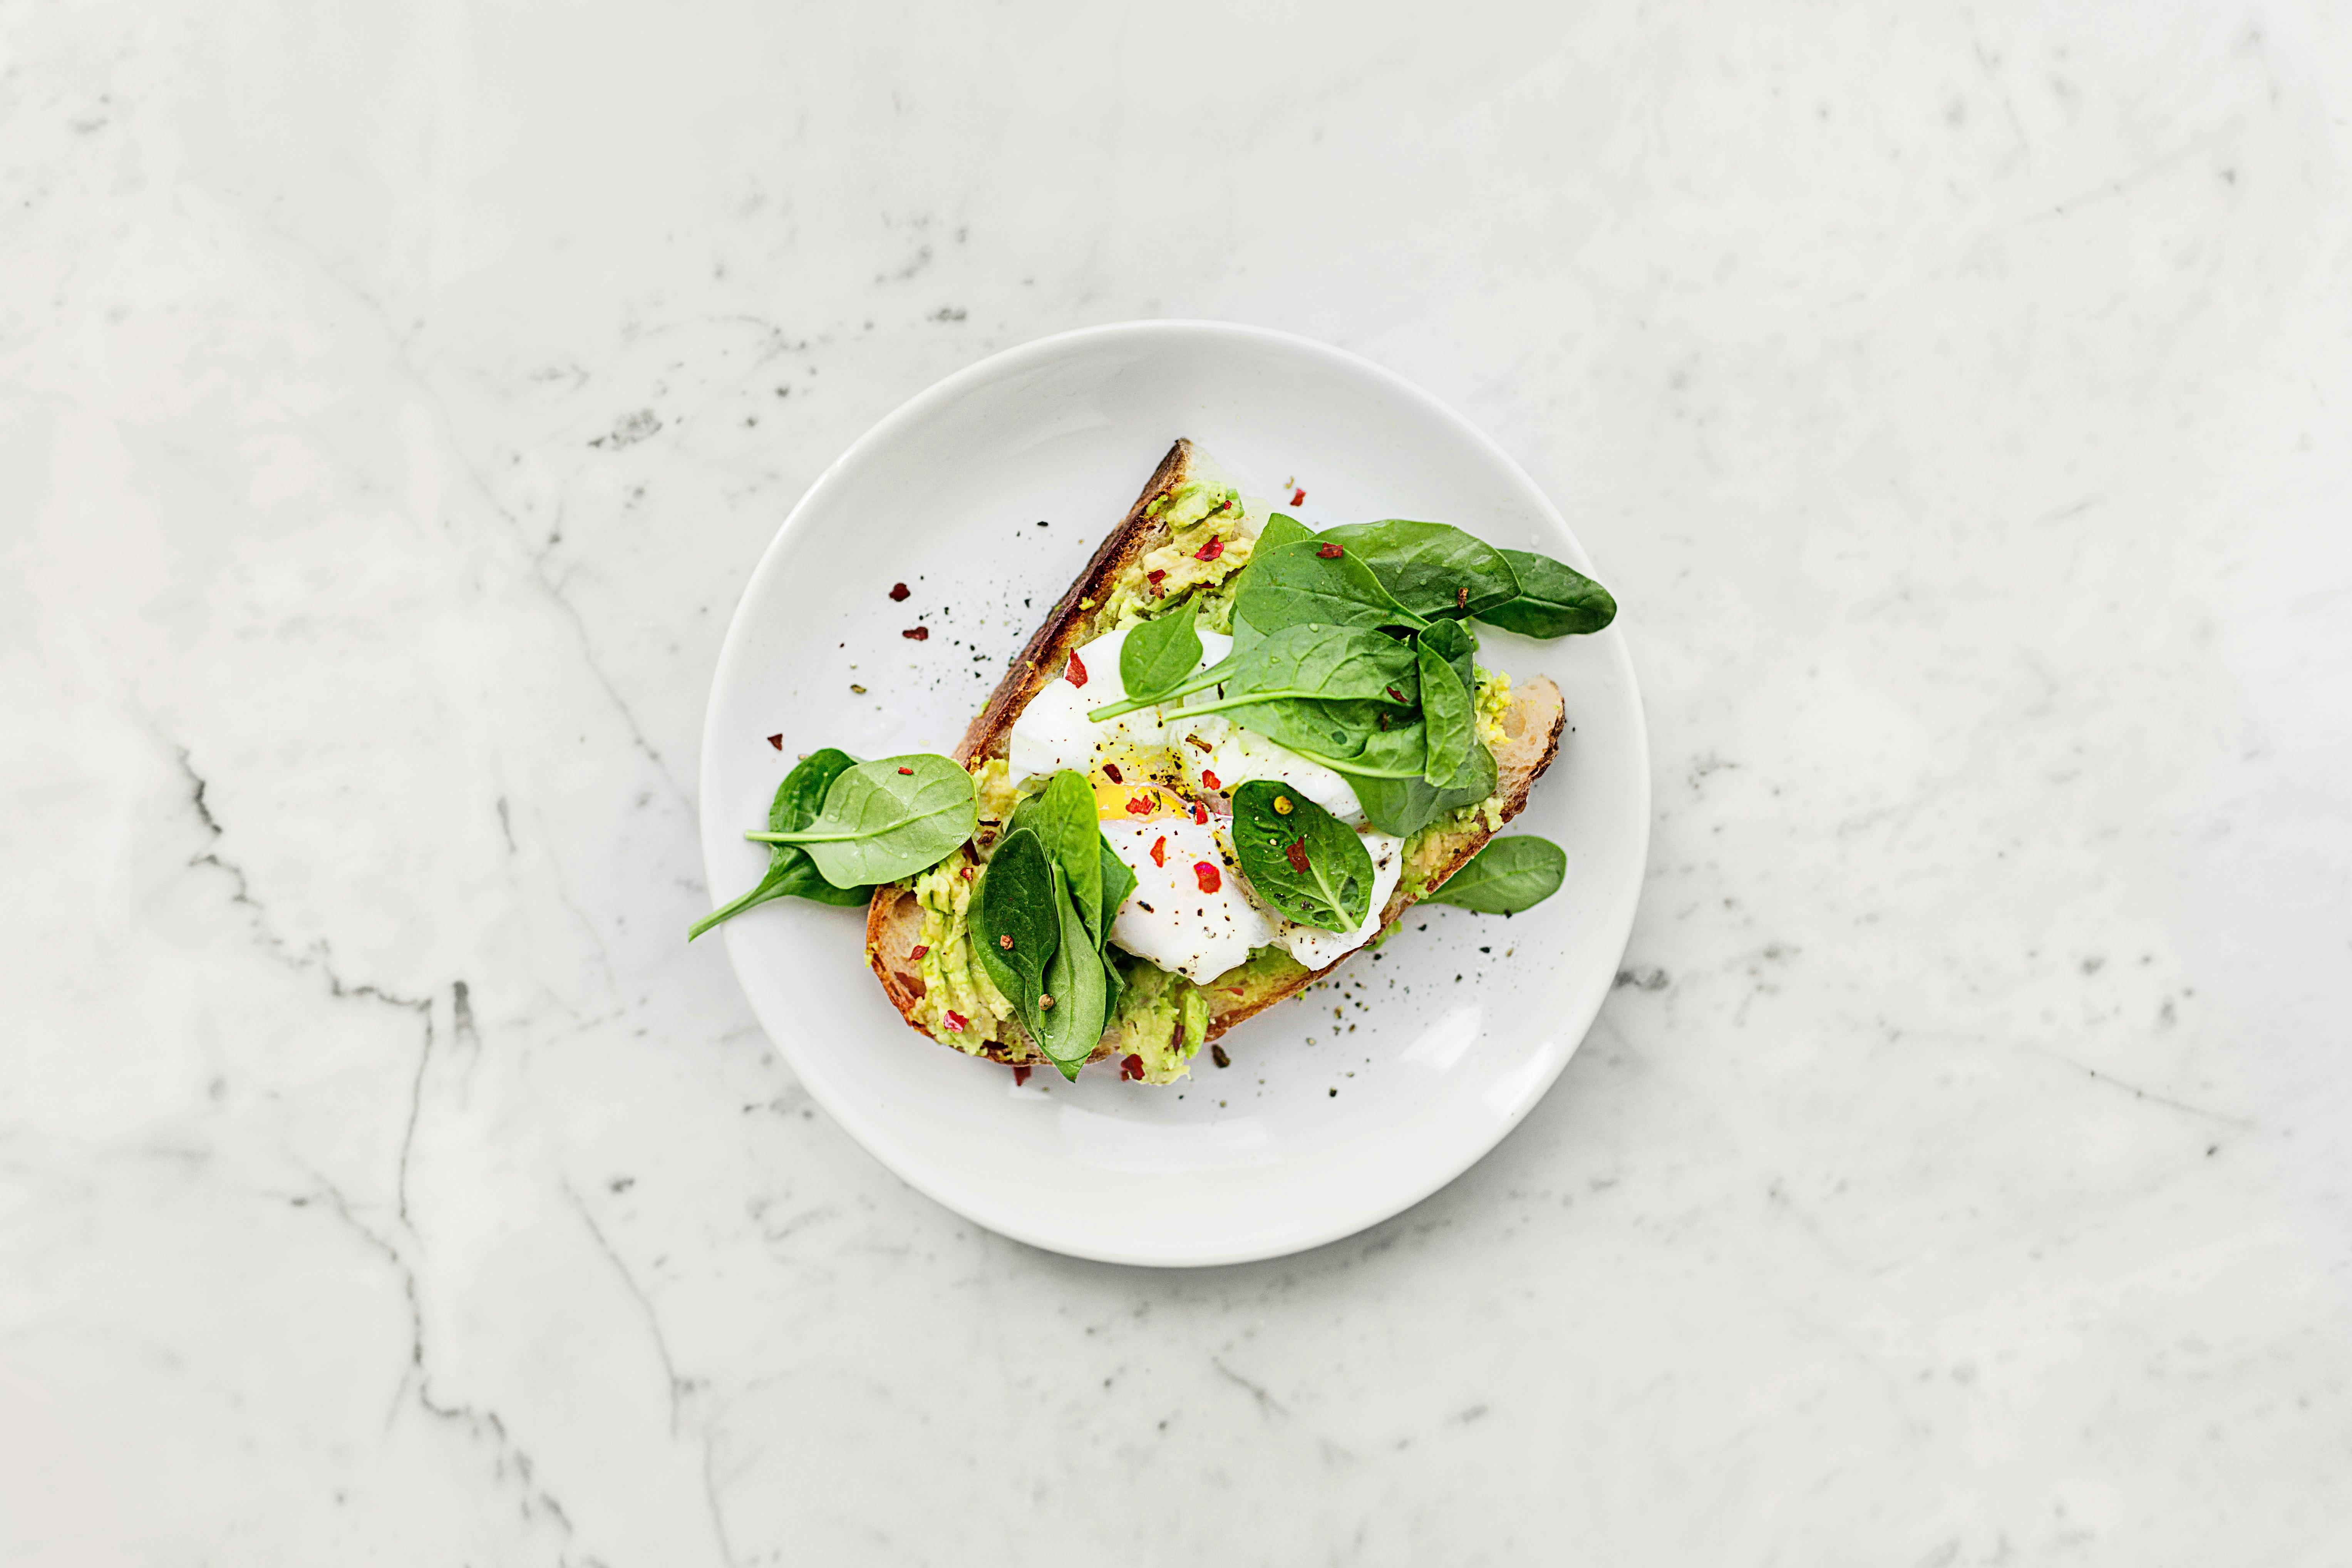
(894,921)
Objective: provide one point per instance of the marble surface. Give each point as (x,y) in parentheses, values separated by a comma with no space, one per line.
(393,401)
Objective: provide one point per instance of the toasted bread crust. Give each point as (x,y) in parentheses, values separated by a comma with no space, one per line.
(894,921)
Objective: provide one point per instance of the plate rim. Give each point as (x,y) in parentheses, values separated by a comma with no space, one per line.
(865,1129)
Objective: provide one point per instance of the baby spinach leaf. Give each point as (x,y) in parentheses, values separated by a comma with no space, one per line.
(888,819)
(1433,568)
(1507,876)
(1014,899)
(1296,583)
(1159,654)
(1279,531)
(1324,662)
(1070,1007)
(1201,681)
(1299,857)
(1114,985)
(1554,601)
(791,873)
(1448,711)
(1405,806)
(1346,735)
(1117,882)
(1061,814)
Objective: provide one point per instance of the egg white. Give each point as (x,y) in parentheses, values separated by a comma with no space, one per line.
(1168,919)
(1214,745)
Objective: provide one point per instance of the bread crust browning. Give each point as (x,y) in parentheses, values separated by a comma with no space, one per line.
(894,921)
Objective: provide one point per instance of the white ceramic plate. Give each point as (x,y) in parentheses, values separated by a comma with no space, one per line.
(1436,1046)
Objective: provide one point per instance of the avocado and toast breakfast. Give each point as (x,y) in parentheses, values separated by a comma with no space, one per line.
(1235,752)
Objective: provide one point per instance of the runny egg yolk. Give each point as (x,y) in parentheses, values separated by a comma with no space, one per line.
(1134,802)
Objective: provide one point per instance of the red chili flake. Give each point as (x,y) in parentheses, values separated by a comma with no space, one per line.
(956,1021)
(919,948)
(1110,771)
(1395,693)
(1211,551)
(777,742)
(1154,576)
(1297,497)
(1139,806)
(1077,672)
(1210,779)
(1160,850)
(1236,990)
(1295,852)
(917,634)
(965,872)
(1200,814)
(1329,552)
(897,591)
(1207,876)
(909,772)
(1131,1066)
(1020,1075)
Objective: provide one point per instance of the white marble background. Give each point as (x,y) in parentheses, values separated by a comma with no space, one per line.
(393,400)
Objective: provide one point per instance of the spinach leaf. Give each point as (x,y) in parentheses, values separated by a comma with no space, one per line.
(1448,710)
(1433,568)
(1216,673)
(1278,530)
(1324,662)
(1070,1008)
(1117,882)
(1061,814)
(1159,654)
(1014,899)
(1405,806)
(1345,735)
(888,819)
(1299,857)
(1507,876)
(1554,601)
(791,873)
(1296,583)
(1114,985)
